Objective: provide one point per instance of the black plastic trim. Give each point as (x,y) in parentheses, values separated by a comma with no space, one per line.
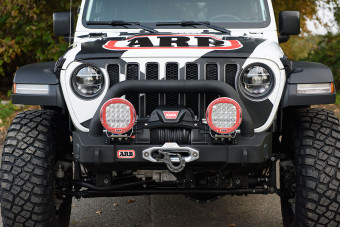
(53,98)
(38,73)
(309,73)
(289,23)
(291,98)
(63,23)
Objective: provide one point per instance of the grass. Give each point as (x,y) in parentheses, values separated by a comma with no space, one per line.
(6,113)
(337,102)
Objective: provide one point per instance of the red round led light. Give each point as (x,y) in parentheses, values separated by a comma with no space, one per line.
(224,130)
(104,120)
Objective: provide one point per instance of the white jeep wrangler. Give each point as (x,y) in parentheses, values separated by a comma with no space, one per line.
(172,97)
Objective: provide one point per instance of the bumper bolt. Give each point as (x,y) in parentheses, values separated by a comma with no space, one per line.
(146,154)
(195,154)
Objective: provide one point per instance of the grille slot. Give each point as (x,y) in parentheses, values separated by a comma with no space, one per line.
(211,72)
(230,74)
(151,102)
(113,71)
(152,71)
(172,99)
(192,101)
(172,71)
(191,71)
(132,73)
(172,74)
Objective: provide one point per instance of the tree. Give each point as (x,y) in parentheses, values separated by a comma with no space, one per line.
(328,50)
(308,10)
(26,34)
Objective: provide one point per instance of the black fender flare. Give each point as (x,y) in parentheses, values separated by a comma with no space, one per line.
(307,73)
(39,73)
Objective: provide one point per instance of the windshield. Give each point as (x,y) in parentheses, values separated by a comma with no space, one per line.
(225,13)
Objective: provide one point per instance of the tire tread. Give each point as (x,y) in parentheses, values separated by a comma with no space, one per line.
(26,175)
(317,163)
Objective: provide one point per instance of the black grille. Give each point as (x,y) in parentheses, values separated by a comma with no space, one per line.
(151,102)
(172,99)
(230,74)
(192,102)
(211,72)
(172,74)
(132,72)
(172,71)
(113,71)
(152,71)
(191,71)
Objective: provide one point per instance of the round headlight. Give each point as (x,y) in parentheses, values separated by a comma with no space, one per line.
(87,81)
(257,81)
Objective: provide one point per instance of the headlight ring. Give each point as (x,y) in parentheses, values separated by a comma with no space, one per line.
(256,81)
(87,81)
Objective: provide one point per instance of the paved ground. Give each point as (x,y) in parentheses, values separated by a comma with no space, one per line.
(145,211)
(176,210)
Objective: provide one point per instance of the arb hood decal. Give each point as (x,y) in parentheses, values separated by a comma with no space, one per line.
(174,42)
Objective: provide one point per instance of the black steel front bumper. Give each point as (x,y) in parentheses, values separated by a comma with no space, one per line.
(252,149)
(95,155)
(179,86)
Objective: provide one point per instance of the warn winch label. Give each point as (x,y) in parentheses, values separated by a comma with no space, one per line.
(126,154)
(170,115)
(173,41)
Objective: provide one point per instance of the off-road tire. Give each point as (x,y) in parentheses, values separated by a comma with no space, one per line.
(313,140)
(27,171)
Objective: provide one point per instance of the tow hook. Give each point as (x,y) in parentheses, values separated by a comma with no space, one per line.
(167,160)
(174,156)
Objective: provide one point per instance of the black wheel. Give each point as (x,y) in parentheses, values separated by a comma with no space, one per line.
(31,149)
(310,180)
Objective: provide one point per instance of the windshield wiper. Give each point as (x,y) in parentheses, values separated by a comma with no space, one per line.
(122,23)
(192,23)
